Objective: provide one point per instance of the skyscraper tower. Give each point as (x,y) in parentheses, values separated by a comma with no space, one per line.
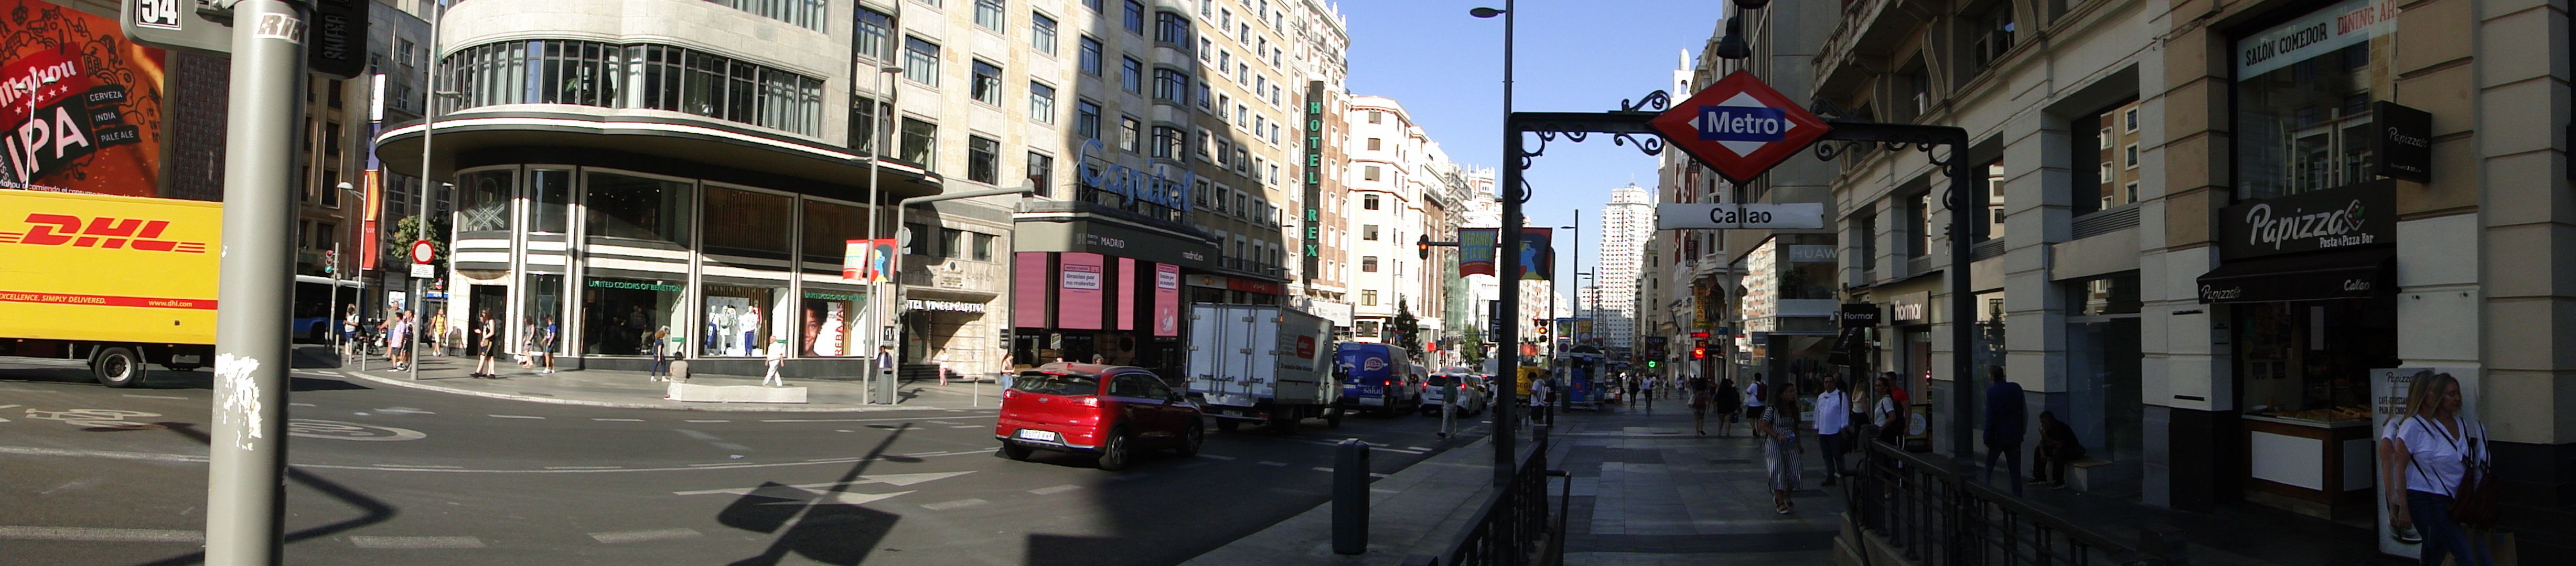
(1626,223)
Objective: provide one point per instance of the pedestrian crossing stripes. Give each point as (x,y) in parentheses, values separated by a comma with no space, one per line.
(91,534)
(389,542)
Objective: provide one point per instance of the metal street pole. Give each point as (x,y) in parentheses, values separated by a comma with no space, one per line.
(1508,256)
(246,454)
(881,385)
(428,129)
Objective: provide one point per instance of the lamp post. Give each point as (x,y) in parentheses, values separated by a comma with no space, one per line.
(884,385)
(336,272)
(1508,254)
(428,128)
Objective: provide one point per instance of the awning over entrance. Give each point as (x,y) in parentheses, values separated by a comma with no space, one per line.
(2329,275)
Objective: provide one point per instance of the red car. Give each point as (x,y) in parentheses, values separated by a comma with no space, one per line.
(1064,406)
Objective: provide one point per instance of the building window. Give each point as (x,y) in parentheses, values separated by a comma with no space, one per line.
(872,40)
(806,14)
(1042,174)
(864,124)
(1173,29)
(2303,116)
(1086,119)
(1094,5)
(2096,162)
(1368,202)
(2131,161)
(661,77)
(983,160)
(1131,75)
(1041,102)
(987,87)
(1368,264)
(1368,298)
(918,137)
(1373,116)
(983,247)
(920,245)
(1368,232)
(1171,86)
(1918,223)
(1041,33)
(1090,56)
(920,61)
(1129,133)
(988,13)
(1135,17)
(1373,143)
(621,206)
(1369,173)
(2131,118)
(1169,143)
(746,222)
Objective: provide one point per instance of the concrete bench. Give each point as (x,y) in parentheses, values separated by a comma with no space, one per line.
(2094,474)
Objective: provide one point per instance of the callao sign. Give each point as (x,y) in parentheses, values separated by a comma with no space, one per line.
(1739,127)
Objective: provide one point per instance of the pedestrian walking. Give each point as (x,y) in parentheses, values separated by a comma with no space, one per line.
(1634,381)
(2005,418)
(1887,416)
(483,342)
(2058,447)
(1833,418)
(777,356)
(546,344)
(1726,401)
(1754,402)
(1538,402)
(438,333)
(399,341)
(1781,450)
(1449,404)
(661,355)
(1700,394)
(2439,458)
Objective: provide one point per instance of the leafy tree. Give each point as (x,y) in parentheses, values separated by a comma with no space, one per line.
(406,231)
(1406,330)
(1472,347)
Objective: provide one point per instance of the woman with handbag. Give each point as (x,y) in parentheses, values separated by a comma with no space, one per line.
(2439,459)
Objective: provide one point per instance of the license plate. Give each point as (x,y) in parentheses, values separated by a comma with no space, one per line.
(1026,434)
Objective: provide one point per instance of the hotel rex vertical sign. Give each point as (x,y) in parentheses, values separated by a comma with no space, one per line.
(1312,232)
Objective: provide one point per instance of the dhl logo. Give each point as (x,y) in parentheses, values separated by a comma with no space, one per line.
(101,232)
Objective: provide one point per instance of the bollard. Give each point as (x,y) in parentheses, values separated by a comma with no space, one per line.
(1350,497)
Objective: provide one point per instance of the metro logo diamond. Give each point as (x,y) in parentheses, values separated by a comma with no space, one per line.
(1739,127)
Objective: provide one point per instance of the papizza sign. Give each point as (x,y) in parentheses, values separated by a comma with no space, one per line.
(1739,127)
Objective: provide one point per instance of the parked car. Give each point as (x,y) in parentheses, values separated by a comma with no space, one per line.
(1111,412)
(1471,394)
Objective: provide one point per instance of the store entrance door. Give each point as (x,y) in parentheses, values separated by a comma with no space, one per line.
(491,300)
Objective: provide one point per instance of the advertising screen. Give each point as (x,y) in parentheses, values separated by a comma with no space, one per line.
(80,104)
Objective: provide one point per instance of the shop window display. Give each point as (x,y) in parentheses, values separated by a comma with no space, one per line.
(829,227)
(2311,360)
(832,324)
(737,320)
(620,315)
(543,295)
(550,200)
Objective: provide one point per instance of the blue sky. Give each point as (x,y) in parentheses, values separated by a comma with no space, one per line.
(1572,56)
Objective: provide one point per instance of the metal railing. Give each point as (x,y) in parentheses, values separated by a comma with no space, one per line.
(1513,528)
(1926,511)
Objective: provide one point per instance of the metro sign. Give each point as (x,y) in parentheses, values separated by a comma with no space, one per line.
(1739,127)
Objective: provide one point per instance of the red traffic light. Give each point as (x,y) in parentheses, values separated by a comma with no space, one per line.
(1699,351)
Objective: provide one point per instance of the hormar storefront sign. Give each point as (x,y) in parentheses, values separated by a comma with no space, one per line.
(2357,215)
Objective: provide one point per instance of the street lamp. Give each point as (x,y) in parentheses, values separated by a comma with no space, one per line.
(1508,241)
(884,390)
(428,128)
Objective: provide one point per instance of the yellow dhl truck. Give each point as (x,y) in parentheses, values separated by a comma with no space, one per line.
(115,281)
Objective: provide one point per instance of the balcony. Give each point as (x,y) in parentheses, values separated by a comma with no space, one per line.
(1869,32)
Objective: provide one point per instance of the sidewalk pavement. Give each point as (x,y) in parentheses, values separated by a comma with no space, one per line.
(1646,492)
(635,390)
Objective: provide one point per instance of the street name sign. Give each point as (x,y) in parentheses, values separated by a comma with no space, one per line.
(1785,216)
(1739,127)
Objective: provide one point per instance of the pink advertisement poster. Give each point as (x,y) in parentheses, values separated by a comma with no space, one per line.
(1126,293)
(1167,299)
(1078,301)
(1029,290)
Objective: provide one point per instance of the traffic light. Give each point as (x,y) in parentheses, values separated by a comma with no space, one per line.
(1422,246)
(1699,351)
(1652,364)
(330,261)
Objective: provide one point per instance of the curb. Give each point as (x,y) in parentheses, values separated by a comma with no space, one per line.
(631,405)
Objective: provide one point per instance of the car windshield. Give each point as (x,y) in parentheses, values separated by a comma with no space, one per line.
(1056,383)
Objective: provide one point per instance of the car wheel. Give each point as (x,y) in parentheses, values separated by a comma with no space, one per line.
(1015,451)
(1190,440)
(118,367)
(1114,455)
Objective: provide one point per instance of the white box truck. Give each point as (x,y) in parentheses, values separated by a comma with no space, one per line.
(1262,364)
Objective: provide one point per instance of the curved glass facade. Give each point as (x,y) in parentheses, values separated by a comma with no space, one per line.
(635,75)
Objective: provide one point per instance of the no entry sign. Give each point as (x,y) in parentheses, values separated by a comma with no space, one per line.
(1739,127)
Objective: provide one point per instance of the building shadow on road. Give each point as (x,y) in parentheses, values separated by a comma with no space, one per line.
(372,510)
(817,528)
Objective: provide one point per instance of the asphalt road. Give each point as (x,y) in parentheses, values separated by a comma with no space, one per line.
(91,475)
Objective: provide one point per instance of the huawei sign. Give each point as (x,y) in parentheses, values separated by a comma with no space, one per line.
(99,232)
